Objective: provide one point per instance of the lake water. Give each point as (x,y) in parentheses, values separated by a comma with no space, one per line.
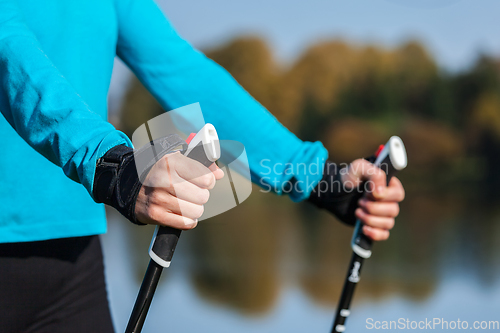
(274,266)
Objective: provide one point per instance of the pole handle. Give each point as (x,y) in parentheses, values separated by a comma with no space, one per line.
(203,147)
(391,159)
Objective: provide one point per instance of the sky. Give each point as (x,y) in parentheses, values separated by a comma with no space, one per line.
(454,31)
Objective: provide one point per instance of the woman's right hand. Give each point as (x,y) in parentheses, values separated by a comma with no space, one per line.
(174,192)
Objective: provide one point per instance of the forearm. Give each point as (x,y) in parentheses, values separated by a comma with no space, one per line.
(178,75)
(42,106)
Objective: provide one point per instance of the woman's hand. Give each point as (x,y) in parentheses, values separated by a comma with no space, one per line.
(174,192)
(380,205)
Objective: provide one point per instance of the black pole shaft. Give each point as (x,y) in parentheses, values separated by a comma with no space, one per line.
(144,298)
(351,281)
(393,149)
(165,238)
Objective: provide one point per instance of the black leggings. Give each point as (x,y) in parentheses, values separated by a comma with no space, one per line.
(53,286)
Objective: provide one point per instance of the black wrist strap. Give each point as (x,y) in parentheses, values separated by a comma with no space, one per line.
(121,171)
(332,195)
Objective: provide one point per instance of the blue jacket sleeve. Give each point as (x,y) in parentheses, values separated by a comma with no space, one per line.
(43,107)
(177,75)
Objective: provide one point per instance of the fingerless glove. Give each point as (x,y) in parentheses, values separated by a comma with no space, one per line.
(332,195)
(121,171)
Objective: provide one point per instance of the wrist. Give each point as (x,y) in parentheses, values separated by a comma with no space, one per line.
(121,171)
(333,194)
(116,181)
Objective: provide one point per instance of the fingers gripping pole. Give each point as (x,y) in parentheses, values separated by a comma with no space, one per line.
(391,159)
(203,147)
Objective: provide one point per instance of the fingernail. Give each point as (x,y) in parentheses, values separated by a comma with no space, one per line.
(190,222)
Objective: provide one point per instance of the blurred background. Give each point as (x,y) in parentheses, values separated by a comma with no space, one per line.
(351,74)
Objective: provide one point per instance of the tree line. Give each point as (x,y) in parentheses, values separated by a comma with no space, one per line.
(352,98)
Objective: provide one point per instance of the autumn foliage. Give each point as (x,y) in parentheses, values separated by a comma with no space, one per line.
(352,98)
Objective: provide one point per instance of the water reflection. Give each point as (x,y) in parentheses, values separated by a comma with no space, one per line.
(252,258)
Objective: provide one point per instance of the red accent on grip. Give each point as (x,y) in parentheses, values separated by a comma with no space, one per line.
(190,137)
(379,150)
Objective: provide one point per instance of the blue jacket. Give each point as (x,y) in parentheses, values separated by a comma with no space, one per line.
(56,59)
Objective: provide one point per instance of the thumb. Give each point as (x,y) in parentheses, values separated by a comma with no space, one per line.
(377,181)
(218,173)
(363,171)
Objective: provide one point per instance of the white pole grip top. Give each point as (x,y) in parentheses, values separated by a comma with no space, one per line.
(208,137)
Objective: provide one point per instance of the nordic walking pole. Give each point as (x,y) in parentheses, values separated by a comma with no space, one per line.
(391,158)
(204,148)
